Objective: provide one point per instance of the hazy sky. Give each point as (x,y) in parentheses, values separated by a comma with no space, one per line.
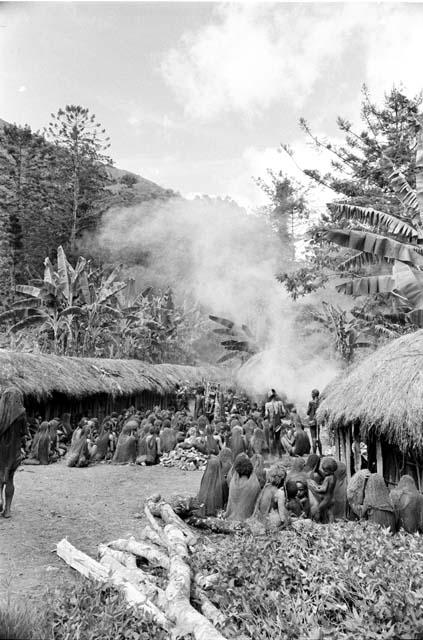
(198,96)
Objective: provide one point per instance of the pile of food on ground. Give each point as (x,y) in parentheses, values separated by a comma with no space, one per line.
(342,581)
(185,459)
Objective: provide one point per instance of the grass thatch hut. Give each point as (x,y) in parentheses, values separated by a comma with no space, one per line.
(53,385)
(380,402)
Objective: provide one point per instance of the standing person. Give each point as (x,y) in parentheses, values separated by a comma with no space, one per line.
(199,402)
(274,411)
(12,430)
(312,421)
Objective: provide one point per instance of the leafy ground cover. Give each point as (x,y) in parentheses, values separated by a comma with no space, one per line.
(345,581)
(342,581)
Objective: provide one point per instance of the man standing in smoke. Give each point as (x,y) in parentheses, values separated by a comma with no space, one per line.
(274,411)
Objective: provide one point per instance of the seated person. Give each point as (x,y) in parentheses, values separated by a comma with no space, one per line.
(271,504)
(243,490)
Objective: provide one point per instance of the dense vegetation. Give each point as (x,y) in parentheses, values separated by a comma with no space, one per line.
(343,581)
(372,231)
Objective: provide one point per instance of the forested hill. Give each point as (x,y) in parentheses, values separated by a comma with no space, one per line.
(54,188)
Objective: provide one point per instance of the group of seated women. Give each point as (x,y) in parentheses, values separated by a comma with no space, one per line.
(314,488)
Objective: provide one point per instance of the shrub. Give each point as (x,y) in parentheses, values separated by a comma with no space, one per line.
(342,581)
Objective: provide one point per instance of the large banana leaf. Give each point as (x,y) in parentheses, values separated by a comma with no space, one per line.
(85,287)
(361,260)
(373,243)
(72,311)
(404,192)
(62,268)
(394,225)
(227,356)
(49,274)
(29,321)
(224,332)
(28,290)
(416,316)
(113,276)
(419,169)
(409,283)
(226,323)
(112,289)
(27,303)
(367,286)
(11,314)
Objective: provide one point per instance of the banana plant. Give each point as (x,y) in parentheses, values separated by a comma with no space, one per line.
(239,341)
(396,246)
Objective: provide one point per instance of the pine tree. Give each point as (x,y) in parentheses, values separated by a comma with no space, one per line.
(75,131)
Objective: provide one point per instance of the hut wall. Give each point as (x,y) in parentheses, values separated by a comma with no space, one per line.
(99,405)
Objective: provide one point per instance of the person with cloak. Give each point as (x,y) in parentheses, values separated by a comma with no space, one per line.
(237,441)
(377,506)
(167,437)
(258,466)
(41,446)
(79,452)
(258,443)
(103,442)
(244,489)
(12,431)
(212,494)
(340,493)
(408,505)
(126,448)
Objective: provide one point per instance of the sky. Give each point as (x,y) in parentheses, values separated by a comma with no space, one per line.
(198,96)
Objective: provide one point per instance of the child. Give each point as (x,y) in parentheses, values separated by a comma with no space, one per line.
(322,509)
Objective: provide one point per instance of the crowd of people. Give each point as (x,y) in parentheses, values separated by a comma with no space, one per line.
(261,461)
(142,436)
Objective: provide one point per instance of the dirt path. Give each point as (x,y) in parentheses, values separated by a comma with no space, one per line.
(87,506)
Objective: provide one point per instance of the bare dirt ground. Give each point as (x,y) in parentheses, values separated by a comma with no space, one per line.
(86,506)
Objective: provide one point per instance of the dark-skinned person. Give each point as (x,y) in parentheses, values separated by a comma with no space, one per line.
(244,488)
(322,496)
(312,421)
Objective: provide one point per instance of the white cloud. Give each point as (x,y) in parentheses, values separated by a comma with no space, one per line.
(22,88)
(254,55)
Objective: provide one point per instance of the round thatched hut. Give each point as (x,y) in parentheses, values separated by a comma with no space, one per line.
(380,402)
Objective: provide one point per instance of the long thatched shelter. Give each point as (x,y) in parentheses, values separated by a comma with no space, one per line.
(56,384)
(380,402)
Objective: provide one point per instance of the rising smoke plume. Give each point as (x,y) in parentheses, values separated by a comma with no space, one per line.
(226,259)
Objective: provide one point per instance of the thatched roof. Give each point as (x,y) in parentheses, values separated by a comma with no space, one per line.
(41,375)
(384,393)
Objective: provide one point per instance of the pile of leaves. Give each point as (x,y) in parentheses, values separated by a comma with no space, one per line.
(185,459)
(342,581)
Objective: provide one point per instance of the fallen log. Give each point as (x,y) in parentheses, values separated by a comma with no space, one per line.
(207,607)
(216,525)
(164,511)
(125,558)
(135,576)
(153,553)
(92,569)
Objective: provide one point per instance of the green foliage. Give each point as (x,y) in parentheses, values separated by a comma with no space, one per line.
(90,611)
(343,581)
(20,622)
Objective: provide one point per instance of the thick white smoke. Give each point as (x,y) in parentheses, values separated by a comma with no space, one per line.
(226,259)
